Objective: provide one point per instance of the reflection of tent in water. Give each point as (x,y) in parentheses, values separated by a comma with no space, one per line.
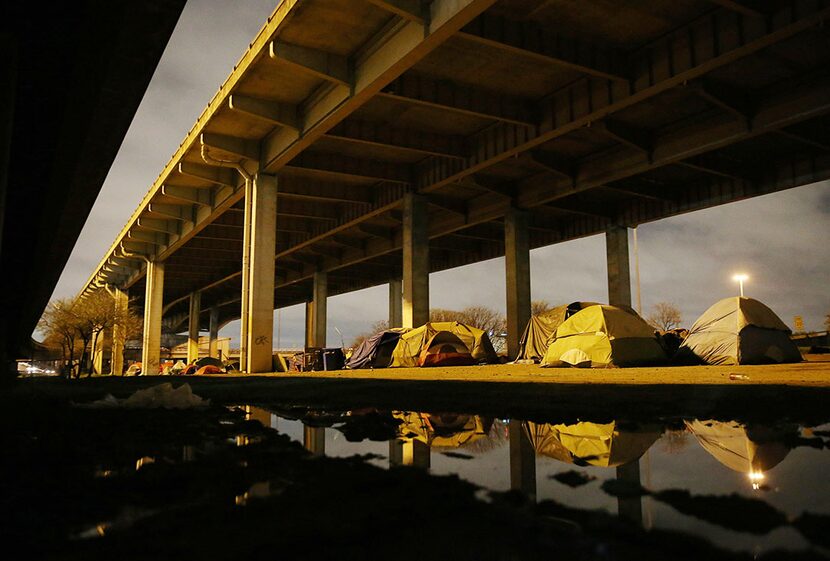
(738,330)
(412,343)
(603,445)
(376,351)
(604,336)
(444,430)
(542,327)
(741,448)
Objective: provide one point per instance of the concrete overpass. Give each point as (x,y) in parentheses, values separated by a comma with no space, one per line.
(363,142)
(72,76)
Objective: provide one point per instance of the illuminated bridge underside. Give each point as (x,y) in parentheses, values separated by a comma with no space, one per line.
(584,116)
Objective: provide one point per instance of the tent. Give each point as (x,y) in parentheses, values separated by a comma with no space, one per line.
(410,345)
(740,448)
(541,328)
(445,349)
(441,430)
(604,336)
(376,351)
(738,330)
(585,443)
(208,361)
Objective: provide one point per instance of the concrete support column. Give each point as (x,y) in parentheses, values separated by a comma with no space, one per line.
(619,275)
(119,333)
(415,261)
(258,299)
(318,323)
(517,273)
(522,460)
(153,305)
(193,327)
(314,440)
(409,453)
(213,345)
(630,508)
(396,303)
(309,324)
(98,353)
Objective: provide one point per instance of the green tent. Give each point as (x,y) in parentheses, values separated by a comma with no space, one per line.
(738,330)
(602,337)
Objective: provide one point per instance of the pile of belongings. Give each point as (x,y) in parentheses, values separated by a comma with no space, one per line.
(602,336)
(444,343)
(738,330)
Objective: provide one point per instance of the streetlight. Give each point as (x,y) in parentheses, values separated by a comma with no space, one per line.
(740,278)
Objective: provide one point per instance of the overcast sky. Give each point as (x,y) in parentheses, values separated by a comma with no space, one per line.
(779,240)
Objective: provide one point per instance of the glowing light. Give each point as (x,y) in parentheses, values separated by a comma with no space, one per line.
(740,278)
(756,478)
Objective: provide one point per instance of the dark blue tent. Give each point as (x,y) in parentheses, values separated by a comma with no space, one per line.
(376,351)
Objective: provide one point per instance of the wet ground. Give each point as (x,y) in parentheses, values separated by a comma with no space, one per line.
(348,469)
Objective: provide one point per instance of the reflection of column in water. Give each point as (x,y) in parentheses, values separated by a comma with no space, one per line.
(522,460)
(188,453)
(314,440)
(409,453)
(630,508)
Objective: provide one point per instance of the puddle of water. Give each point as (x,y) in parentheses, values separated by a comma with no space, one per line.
(742,487)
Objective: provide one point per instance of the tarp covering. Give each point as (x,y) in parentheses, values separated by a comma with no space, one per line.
(738,447)
(585,443)
(409,347)
(604,336)
(445,349)
(542,327)
(738,330)
(441,431)
(376,351)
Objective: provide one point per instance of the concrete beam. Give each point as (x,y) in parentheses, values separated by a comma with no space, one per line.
(517,273)
(415,261)
(406,140)
(457,98)
(526,39)
(410,452)
(314,440)
(282,114)
(213,174)
(338,165)
(241,147)
(188,195)
(153,305)
(407,9)
(327,66)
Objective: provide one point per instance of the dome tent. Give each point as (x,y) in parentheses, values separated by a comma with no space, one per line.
(376,351)
(738,330)
(542,327)
(596,444)
(602,337)
(445,349)
(411,344)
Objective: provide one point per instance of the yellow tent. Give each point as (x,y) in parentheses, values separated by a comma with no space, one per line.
(441,431)
(739,448)
(542,327)
(604,336)
(410,345)
(602,445)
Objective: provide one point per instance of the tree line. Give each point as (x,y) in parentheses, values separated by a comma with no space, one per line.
(79,328)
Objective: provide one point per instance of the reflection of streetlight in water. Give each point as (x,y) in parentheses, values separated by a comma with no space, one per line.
(756,478)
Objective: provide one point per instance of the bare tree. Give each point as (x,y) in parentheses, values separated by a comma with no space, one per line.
(377,327)
(665,316)
(60,324)
(539,307)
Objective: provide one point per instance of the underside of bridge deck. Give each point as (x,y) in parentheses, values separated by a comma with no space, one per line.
(585,117)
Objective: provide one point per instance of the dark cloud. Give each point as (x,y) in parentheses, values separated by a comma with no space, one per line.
(780,240)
